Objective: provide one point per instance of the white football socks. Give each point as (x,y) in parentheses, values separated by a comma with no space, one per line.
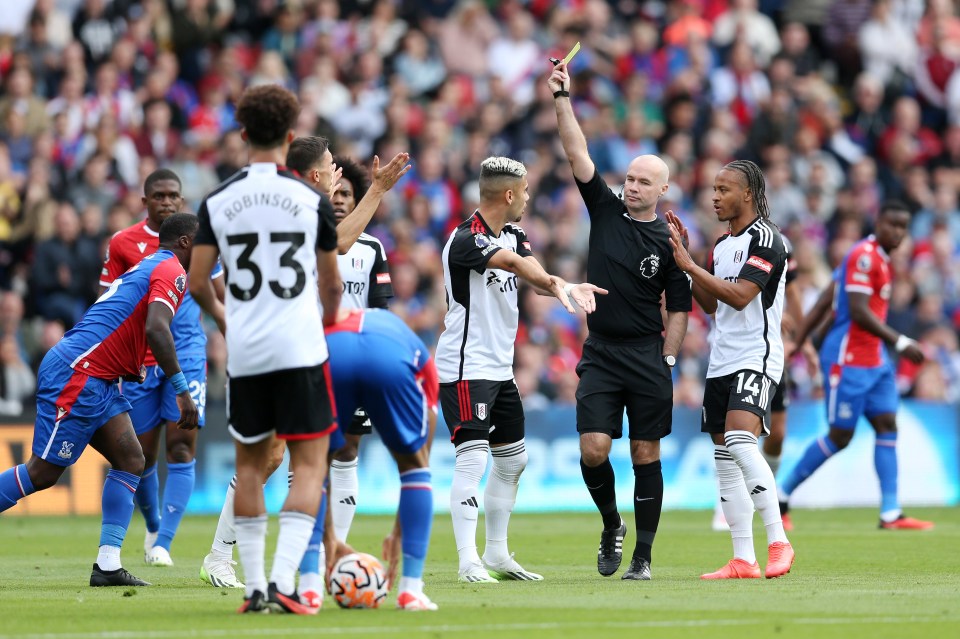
(500,497)
(736,504)
(758,479)
(344,489)
(464,498)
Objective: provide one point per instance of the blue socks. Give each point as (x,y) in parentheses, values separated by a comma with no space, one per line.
(148,498)
(176,494)
(818,452)
(885,461)
(416,517)
(14,485)
(118,492)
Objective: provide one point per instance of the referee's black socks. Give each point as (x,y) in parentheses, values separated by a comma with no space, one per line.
(647,504)
(600,481)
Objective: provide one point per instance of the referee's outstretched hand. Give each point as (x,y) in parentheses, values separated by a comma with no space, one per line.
(583,295)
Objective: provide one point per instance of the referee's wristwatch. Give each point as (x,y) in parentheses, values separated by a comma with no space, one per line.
(670,360)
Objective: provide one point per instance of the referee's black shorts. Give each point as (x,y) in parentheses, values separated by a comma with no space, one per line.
(624,374)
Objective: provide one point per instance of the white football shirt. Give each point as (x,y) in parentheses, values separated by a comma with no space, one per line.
(268,225)
(750,339)
(480,326)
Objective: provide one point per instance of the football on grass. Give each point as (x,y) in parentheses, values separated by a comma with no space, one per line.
(358,581)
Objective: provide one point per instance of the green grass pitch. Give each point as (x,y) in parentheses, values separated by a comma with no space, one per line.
(850,580)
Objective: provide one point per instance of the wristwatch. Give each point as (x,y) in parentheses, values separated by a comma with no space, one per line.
(670,360)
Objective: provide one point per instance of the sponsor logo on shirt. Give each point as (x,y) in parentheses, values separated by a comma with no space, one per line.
(760,263)
(173,296)
(383,278)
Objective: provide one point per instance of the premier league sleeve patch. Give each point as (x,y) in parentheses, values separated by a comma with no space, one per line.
(181,283)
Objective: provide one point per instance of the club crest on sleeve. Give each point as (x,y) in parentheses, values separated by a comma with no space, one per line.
(181,283)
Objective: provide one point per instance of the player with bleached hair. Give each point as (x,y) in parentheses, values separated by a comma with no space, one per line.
(482,262)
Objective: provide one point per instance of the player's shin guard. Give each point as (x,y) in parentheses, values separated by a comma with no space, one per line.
(647,504)
(15,484)
(295,532)
(344,489)
(819,451)
(736,504)
(148,498)
(176,494)
(468,470)
(251,544)
(416,517)
(758,479)
(226,536)
(117,504)
(311,568)
(500,497)
(885,461)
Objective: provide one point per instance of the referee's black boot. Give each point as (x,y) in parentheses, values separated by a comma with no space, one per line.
(611,549)
(118,577)
(639,569)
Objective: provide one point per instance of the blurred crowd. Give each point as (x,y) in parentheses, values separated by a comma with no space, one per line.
(843,103)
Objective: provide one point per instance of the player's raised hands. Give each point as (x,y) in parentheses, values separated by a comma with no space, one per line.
(386,177)
(335,180)
(584,295)
(680,254)
(189,415)
(559,79)
(674,220)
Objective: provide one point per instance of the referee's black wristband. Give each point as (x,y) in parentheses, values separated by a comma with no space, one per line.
(561,94)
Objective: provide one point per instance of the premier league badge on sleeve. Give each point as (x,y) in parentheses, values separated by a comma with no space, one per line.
(181,283)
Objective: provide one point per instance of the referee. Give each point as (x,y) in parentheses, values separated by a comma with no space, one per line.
(626,361)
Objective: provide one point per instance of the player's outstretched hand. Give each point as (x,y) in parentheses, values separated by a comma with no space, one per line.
(556,287)
(385,178)
(189,415)
(680,254)
(392,551)
(559,79)
(335,181)
(334,554)
(583,294)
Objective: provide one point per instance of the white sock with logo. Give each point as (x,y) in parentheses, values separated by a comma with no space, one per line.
(465,498)
(758,480)
(500,497)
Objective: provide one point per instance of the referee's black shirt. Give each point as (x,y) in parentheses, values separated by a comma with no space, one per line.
(634,262)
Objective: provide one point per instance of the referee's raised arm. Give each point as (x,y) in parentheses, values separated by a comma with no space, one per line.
(574,143)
